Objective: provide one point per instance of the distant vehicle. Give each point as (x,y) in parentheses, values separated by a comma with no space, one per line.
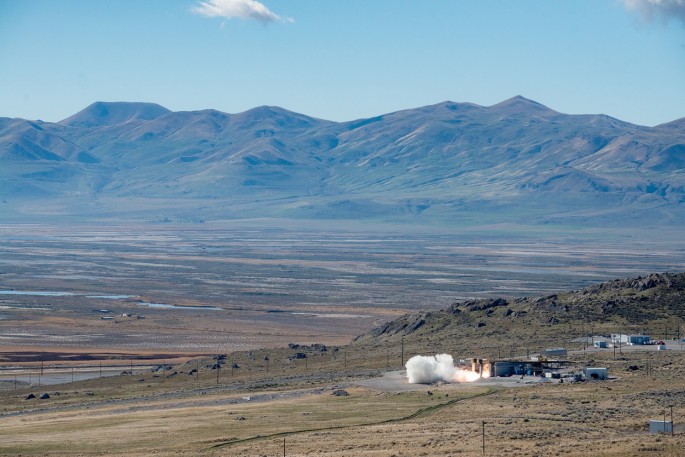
(660,343)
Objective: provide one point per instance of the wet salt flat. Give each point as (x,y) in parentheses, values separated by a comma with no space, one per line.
(50,293)
(36,293)
(333,315)
(187,308)
(106,297)
(111,297)
(328,284)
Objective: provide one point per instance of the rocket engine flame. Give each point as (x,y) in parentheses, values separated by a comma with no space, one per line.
(428,369)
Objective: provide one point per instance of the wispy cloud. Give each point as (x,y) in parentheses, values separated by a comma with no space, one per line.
(661,9)
(242,9)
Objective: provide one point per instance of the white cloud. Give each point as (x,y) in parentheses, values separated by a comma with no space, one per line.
(663,9)
(243,9)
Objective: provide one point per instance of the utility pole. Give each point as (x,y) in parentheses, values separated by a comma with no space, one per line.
(402,351)
(483,437)
(672,426)
(284,447)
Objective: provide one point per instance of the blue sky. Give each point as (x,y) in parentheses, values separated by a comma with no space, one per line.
(343,59)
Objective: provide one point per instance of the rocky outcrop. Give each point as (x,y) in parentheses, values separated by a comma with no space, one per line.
(633,301)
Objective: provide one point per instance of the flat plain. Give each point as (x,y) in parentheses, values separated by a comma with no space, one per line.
(225,287)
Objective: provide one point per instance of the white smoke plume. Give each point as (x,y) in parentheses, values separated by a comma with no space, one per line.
(663,9)
(428,369)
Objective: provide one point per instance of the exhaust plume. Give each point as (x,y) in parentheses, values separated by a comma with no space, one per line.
(428,369)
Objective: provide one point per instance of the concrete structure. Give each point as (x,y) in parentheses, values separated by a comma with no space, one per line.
(660,426)
(503,369)
(619,338)
(596,373)
(518,368)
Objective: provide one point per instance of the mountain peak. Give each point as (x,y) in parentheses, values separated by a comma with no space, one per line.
(678,124)
(111,113)
(277,116)
(521,105)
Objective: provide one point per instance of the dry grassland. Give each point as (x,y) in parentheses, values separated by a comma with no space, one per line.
(168,416)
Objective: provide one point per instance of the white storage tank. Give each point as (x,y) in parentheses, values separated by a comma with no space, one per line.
(660,426)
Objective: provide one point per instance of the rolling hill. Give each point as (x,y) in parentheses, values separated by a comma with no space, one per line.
(450,163)
(654,304)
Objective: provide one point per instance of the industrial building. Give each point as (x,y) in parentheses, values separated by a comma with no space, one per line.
(516,368)
(618,338)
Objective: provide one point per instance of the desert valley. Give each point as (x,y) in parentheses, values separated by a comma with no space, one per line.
(273,228)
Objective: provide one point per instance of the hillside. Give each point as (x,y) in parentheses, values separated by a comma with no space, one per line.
(450,163)
(654,304)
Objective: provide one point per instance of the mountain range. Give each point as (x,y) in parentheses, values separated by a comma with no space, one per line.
(450,163)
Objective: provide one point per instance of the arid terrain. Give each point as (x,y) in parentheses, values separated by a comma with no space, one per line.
(258,342)
(326,408)
(204,288)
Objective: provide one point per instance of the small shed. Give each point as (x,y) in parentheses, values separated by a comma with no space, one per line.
(555,352)
(596,373)
(660,426)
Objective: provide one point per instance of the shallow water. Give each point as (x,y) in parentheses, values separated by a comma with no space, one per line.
(188,308)
(36,293)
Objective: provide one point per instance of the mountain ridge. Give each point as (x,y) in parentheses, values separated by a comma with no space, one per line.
(516,160)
